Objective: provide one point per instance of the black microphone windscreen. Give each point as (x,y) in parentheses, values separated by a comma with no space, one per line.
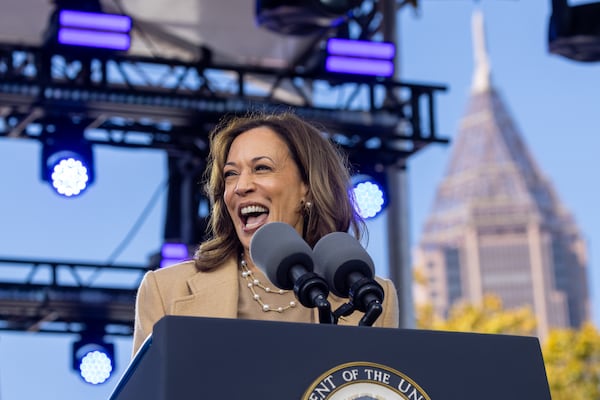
(336,256)
(277,247)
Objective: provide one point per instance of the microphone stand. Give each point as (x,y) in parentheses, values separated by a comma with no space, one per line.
(312,290)
(365,295)
(343,311)
(373,312)
(324,310)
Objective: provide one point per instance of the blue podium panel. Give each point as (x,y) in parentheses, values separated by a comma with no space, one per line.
(209,358)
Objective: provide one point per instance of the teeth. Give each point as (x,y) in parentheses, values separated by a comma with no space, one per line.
(252,209)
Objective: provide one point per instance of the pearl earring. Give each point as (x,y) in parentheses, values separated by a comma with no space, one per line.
(306,207)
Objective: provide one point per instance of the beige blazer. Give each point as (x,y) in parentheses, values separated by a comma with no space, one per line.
(183,290)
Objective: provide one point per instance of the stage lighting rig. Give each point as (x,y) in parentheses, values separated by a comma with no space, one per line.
(303,17)
(574,31)
(360,58)
(370,193)
(67,162)
(93,358)
(84,29)
(173,253)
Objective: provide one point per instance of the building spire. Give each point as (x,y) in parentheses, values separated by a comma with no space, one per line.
(482,73)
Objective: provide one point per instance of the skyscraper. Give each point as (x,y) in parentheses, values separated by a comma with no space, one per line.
(496,225)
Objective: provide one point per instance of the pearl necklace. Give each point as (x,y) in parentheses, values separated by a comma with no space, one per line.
(254,283)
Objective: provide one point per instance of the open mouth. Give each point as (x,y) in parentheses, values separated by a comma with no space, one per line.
(253,216)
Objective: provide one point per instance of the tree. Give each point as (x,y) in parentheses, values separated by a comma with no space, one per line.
(572,359)
(571,356)
(489,317)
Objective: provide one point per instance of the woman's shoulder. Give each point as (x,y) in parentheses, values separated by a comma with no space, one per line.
(187,269)
(385,282)
(180,270)
(178,279)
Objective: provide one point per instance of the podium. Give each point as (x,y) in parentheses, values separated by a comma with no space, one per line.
(210,358)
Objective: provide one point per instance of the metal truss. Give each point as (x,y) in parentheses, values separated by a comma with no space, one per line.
(55,296)
(139,102)
(148,102)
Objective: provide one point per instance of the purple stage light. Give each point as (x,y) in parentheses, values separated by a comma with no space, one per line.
(105,40)
(359,66)
(96,30)
(360,57)
(361,48)
(98,21)
(174,250)
(172,253)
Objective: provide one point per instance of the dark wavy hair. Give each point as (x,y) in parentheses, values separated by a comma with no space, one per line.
(322,165)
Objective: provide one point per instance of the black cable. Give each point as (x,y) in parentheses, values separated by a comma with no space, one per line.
(149,45)
(133,230)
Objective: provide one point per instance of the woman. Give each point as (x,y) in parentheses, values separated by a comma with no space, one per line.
(262,168)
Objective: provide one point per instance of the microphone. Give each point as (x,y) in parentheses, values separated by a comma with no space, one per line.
(286,259)
(349,271)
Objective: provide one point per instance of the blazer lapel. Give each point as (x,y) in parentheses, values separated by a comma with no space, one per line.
(214,293)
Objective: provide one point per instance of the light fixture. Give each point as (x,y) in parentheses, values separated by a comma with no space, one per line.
(95,30)
(67,160)
(360,57)
(302,17)
(172,253)
(370,194)
(93,358)
(574,31)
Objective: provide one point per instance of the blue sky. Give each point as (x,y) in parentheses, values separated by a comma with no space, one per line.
(553,101)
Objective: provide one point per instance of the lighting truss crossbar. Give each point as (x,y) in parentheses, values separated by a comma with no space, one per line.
(190,99)
(57,296)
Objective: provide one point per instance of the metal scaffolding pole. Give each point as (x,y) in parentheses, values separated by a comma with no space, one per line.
(398,221)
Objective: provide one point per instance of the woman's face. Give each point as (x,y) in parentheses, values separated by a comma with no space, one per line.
(262,183)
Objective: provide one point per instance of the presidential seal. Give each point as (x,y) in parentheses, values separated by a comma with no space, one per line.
(364,381)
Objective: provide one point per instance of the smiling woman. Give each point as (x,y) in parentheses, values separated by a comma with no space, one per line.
(262,168)
(262,184)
